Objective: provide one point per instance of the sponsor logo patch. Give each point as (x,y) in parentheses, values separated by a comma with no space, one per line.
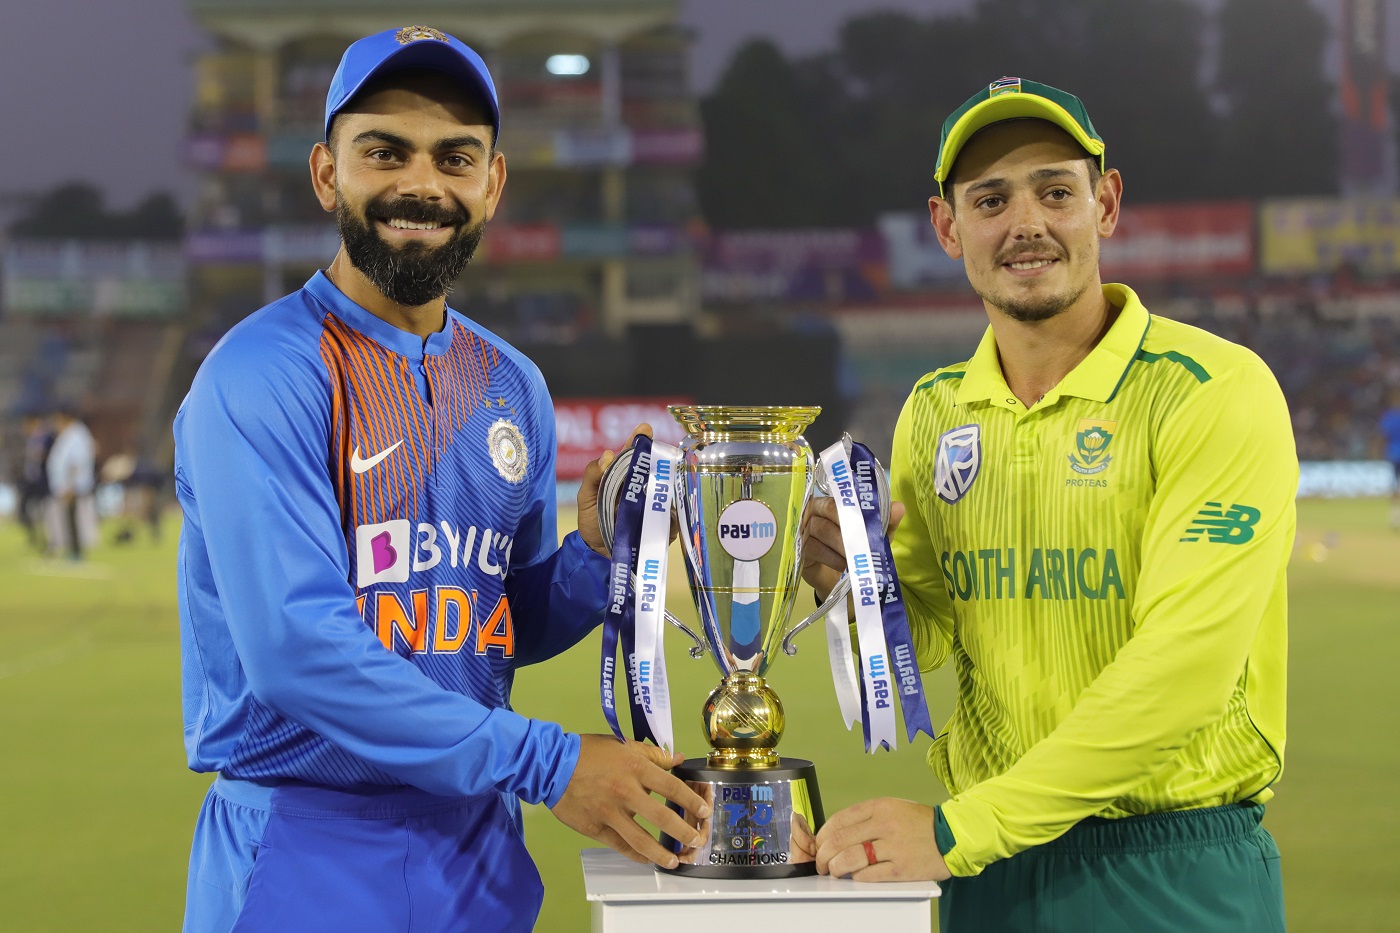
(1221,525)
(747,529)
(360,464)
(382,552)
(958,461)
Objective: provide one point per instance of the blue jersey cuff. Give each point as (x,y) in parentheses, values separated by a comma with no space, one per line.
(563,769)
(579,552)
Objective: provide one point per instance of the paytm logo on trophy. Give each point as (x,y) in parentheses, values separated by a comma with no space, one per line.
(740,481)
(747,529)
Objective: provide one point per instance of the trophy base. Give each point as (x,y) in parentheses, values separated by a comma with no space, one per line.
(754,814)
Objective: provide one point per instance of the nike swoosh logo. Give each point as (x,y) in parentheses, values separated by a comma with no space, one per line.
(363,466)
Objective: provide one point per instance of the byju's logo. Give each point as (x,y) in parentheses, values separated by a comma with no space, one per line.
(1220,525)
(382,552)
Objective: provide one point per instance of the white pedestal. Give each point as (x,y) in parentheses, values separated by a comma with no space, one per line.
(631,898)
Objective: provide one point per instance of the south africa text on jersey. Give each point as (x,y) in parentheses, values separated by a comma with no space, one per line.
(1041,573)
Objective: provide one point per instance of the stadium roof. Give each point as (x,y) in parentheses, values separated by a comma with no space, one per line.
(406,11)
(268,23)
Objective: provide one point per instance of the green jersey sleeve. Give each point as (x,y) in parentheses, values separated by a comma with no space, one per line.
(1208,616)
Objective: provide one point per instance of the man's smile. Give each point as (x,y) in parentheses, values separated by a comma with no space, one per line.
(413,229)
(1030,266)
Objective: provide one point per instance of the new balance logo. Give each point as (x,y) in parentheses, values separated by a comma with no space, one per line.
(363,466)
(1220,525)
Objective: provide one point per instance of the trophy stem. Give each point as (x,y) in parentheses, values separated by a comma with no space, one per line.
(744,722)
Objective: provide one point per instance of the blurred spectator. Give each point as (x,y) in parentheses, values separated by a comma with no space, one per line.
(1338,369)
(1336,374)
(1390,431)
(72,509)
(34,479)
(141,483)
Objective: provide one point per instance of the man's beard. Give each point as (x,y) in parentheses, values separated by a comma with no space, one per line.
(415,273)
(1032,309)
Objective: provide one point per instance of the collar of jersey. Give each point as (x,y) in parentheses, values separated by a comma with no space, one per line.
(1097,376)
(375,328)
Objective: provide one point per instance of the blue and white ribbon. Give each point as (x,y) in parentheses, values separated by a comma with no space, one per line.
(652,690)
(843,664)
(898,639)
(887,665)
(618,617)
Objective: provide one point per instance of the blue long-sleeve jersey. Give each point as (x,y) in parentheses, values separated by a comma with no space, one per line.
(368,552)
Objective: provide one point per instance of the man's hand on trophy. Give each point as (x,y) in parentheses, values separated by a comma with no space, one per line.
(823,553)
(803,844)
(588,494)
(700,823)
(613,784)
(886,839)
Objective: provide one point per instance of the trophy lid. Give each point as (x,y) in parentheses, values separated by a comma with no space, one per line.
(765,419)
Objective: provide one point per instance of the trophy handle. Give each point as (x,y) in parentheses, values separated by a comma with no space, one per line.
(697,650)
(609,494)
(843,586)
(838,595)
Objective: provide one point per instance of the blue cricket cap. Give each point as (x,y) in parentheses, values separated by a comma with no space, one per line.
(410,47)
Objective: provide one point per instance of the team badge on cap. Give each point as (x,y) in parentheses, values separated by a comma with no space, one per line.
(1004,86)
(508,450)
(958,461)
(417,33)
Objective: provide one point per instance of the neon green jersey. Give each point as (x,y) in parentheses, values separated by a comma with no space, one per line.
(1106,571)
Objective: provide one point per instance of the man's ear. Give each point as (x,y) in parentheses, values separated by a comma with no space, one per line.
(1109,196)
(940,213)
(495,183)
(323,175)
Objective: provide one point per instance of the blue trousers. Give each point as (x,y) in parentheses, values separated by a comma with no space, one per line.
(295,858)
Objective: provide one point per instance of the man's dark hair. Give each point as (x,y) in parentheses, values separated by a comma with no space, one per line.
(394,79)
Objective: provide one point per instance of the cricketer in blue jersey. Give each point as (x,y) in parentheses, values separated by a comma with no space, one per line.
(1390,435)
(369,552)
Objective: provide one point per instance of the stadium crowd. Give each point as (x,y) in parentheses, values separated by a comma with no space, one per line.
(1336,375)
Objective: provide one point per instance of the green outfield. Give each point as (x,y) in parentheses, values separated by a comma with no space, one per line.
(96,806)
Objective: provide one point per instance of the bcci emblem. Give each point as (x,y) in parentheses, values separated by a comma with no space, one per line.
(958,460)
(1091,446)
(508,451)
(415,33)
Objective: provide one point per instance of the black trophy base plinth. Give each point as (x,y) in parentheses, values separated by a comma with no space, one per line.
(755,813)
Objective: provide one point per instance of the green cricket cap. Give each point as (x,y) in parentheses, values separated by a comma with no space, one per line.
(1015,99)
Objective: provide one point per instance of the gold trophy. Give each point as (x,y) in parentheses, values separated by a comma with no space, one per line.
(744,478)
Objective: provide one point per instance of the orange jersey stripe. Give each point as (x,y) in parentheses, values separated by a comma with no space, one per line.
(386,388)
(371,417)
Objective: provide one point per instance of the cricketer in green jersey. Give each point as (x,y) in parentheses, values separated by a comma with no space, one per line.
(1098,513)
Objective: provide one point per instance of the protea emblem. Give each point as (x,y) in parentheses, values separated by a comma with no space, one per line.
(1091,446)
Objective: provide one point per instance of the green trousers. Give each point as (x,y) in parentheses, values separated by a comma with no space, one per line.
(1212,870)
